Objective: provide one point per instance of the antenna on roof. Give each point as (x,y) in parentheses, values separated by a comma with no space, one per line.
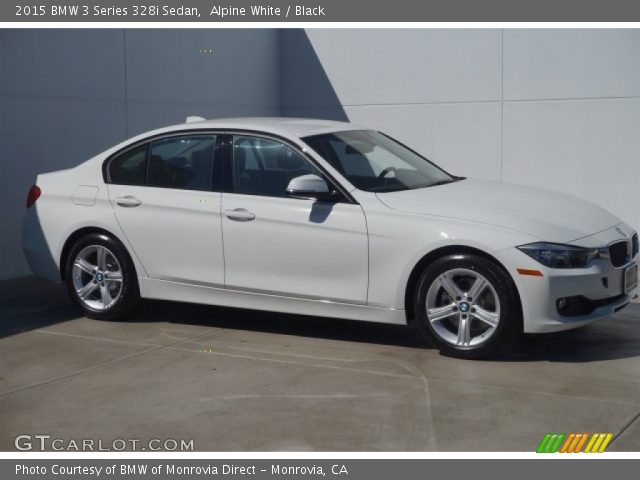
(194,119)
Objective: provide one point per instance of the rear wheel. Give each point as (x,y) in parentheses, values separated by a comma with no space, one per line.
(468,306)
(101,278)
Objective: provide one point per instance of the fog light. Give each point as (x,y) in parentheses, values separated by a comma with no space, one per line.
(575,306)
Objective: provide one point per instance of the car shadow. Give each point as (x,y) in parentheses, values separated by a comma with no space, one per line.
(607,340)
(615,338)
(278,323)
(30,303)
(320,211)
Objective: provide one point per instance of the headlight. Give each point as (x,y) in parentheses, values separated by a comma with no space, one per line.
(556,255)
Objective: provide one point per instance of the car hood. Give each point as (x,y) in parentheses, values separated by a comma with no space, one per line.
(546,215)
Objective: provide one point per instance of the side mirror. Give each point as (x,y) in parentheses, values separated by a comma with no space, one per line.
(310,186)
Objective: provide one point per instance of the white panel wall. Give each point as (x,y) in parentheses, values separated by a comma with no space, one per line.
(168,77)
(552,108)
(409,66)
(461,137)
(66,95)
(439,91)
(571,114)
(578,63)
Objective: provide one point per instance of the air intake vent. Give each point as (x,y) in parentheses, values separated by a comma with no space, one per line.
(634,245)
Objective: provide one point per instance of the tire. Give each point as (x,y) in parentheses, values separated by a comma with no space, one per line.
(458,324)
(107,293)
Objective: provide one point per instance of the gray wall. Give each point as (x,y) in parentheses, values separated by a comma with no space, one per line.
(66,95)
(551,108)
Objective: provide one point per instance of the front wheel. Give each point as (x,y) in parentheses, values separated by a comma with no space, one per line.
(468,306)
(101,278)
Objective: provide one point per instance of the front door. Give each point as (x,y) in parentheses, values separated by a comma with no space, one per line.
(288,246)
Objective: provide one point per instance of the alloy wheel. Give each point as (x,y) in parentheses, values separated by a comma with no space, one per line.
(463,307)
(97,277)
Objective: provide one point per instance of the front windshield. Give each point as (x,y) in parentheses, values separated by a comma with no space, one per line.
(374,162)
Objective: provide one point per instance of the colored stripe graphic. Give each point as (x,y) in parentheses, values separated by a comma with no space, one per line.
(568,444)
(581,443)
(574,442)
(592,441)
(542,447)
(550,443)
(598,442)
(556,442)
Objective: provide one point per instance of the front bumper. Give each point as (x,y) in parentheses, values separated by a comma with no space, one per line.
(600,284)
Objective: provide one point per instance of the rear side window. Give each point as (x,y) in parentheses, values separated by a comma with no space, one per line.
(182,162)
(130,167)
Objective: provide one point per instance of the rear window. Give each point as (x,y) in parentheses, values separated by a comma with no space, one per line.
(130,167)
(184,162)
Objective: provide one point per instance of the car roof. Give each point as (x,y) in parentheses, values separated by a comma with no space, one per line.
(288,126)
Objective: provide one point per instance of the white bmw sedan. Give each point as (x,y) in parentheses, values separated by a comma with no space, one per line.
(325,218)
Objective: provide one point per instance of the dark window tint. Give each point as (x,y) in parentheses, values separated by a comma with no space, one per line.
(129,168)
(265,167)
(182,162)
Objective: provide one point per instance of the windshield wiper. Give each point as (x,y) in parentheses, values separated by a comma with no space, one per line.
(444,182)
(400,188)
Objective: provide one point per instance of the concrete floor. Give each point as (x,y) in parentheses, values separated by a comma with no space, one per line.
(241,380)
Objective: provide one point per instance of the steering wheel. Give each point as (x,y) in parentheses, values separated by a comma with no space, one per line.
(386,171)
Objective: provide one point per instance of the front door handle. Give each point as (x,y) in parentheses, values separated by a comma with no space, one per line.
(239,215)
(128,201)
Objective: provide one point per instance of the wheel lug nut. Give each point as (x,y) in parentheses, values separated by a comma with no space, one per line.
(469,299)
(464,317)
(458,298)
(473,310)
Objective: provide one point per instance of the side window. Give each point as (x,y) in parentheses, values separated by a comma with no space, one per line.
(265,167)
(130,167)
(182,162)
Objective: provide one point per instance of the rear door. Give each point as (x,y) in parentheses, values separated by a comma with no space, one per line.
(166,197)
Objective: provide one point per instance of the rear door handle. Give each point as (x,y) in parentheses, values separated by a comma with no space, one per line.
(239,215)
(128,201)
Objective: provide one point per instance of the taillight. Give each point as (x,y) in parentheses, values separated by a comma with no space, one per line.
(34,194)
